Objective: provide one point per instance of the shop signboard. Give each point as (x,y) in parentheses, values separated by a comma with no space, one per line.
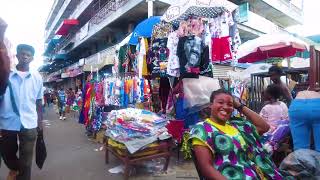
(75,72)
(65,75)
(243,12)
(81,62)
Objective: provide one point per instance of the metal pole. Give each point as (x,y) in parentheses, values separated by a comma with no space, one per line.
(150,8)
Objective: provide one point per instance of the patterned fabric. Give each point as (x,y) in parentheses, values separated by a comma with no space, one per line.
(161,31)
(158,57)
(173,59)
(232,159)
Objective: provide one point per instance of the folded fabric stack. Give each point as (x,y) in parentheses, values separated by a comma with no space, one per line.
(135,126)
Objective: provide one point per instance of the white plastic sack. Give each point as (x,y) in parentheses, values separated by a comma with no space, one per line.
(197,92)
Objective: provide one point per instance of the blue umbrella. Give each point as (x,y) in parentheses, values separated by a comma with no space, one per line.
(144,29)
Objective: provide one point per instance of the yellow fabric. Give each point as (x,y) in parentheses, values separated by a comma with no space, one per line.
(197,142)
(119,147)
(144,66)
(227,129)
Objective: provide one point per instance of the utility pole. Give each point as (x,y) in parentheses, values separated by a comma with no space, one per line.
(150,7)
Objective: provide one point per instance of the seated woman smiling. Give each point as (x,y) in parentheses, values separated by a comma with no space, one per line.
(230,148)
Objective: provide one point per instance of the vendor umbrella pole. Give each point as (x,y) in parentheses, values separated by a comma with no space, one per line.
(150,8)
(289,63)
(97,74)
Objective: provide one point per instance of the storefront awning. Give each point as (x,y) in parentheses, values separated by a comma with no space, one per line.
(66,25)
(51,45)
(59,56)
(99,60)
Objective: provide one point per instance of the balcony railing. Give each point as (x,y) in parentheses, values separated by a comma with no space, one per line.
(104,13)
(83,4)
(294,6)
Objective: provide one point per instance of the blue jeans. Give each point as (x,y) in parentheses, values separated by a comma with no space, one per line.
(304,115)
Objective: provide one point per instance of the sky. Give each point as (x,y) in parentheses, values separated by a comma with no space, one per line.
(26,20)
(311,24)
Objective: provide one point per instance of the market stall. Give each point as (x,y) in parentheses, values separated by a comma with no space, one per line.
(134,135)
(165,68)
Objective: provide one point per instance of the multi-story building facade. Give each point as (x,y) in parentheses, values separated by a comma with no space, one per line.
(90,26)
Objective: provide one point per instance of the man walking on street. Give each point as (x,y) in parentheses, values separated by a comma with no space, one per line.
(21,116)
(62,100)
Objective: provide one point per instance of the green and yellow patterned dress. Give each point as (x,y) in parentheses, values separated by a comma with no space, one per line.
(236,148)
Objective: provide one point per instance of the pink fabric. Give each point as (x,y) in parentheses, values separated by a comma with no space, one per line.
(274,112)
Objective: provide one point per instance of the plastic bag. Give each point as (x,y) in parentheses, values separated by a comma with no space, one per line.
(197,92)
(302,164)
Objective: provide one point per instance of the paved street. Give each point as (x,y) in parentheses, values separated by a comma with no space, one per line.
(72,156)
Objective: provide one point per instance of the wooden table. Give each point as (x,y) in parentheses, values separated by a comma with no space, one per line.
(163,150)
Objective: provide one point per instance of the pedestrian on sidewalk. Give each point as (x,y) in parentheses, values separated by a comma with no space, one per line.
(62,100)
(21,115)
(70,99)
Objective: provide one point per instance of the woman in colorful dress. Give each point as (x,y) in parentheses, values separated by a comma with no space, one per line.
(230,148)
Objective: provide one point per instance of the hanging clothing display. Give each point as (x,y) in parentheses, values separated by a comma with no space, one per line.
(195,45)
(189,51)
(161,30)
(87,92)
(122,57)
(141,58)
(158,57)
(173,59)
(129,90)
(221,50)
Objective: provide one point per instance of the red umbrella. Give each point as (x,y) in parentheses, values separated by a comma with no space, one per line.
(270,46)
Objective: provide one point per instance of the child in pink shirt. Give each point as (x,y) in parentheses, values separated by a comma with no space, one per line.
(275,112)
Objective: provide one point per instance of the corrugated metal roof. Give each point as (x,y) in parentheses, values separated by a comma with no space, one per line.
(220,71)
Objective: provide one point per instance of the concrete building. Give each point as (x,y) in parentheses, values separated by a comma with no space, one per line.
(102,23)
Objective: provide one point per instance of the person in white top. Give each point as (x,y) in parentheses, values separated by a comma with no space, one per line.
(275,112)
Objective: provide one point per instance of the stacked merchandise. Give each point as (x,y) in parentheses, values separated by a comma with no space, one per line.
(135,128)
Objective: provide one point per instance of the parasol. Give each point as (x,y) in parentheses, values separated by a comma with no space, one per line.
(270,46)
(144,29)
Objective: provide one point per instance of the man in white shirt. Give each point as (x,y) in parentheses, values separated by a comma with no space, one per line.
(21,115)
